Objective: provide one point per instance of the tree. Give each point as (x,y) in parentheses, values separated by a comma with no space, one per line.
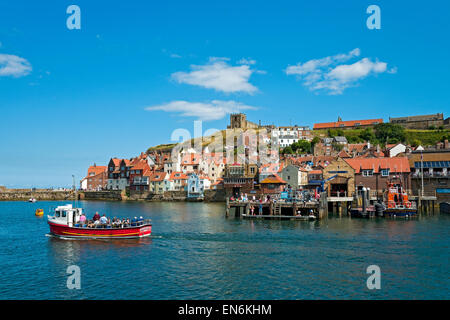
(389,133)
(368,135)
(288,150)
(314,141)
(301,146)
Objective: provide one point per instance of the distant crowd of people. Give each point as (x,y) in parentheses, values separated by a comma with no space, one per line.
(293,196)
(105,222)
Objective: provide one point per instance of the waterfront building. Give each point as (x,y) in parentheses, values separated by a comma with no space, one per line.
(240,177)
(273,184)
(195,186)
(315,178)
(374,173)
(139,173)
(420,122)
(179,180)
(339,178)
(294,176)
(269,169)
(158,182)
(96,178)
(435,165)
(350,124)
(118,174)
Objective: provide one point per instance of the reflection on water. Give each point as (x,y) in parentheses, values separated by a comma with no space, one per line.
(197,253)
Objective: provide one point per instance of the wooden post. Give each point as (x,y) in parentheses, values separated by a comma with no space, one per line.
(227,210)
(271,208)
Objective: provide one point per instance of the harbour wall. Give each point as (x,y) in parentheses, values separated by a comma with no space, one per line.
(38,194)
(209,195)
(111,195)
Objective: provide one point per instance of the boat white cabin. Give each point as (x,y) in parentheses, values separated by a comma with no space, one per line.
(66,215)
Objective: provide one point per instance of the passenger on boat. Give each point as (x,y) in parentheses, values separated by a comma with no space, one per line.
(82,219)
(96,217)
(96,223)
(104,221)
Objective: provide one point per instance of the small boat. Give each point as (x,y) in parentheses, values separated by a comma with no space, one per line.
(398,204)
(65,223)
(39,212)
(32,200)
(444,207)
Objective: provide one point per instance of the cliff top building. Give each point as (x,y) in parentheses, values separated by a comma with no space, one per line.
(350,124)
(239,121)
(420,122)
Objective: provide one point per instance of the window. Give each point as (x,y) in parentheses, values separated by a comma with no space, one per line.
(367,173)
(385,172)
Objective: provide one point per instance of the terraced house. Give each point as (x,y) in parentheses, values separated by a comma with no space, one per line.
(118,174)
(374,173)
(96,178)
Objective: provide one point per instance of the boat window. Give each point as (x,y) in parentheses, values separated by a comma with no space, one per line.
(63,214)
(57,214)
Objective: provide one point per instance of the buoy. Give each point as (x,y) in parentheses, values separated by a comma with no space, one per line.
(39,212)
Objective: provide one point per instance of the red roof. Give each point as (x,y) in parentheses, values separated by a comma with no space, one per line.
(398,164)
(315,172)
(116,161)
(96,170)
(140,165)
(274,179)
(158,176)
(343,124)
(178,176)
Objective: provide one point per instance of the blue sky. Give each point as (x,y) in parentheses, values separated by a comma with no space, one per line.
(69,98)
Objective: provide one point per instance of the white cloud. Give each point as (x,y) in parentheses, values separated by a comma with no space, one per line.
(247,61)
(208,111)
(332,75)
(218,75)
(11,65)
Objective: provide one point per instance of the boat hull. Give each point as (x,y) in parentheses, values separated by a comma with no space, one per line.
(400,212)
(100,233)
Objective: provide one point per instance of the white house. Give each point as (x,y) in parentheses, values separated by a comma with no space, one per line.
(195,186)
(394,150)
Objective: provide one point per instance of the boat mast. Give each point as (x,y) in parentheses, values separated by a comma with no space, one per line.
(74,191)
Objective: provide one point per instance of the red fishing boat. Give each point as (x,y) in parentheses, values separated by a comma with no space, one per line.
(66,223)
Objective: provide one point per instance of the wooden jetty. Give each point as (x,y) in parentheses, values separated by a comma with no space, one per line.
(278,217)
(298,210)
